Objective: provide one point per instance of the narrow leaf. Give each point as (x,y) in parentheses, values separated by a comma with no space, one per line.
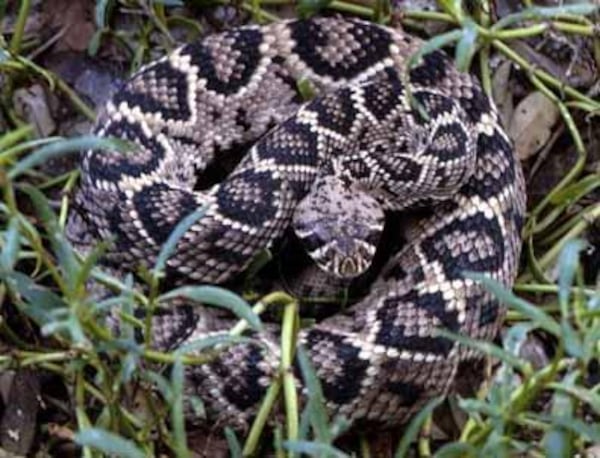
(219,297)
(558,441)
(169,246)
(412,431)
(224,339)
(316,405)
(66,146)
(40,301)
(466,46)
(537,13)
(62,248)
(102,12)
(535,314)
(108,443)
(583,394)
(235,448)
(315,449)
(177,414)
(11,245)
(486,348)
(439,41)
(456,450)
(568,261)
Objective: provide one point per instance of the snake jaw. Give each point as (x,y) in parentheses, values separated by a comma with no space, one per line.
(343,255)
(353,262)
(351,267)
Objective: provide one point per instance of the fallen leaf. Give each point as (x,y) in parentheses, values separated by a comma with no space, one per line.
(531,124)
(31,104)
(502,92)
(18,422)
(61,432)
(75,18)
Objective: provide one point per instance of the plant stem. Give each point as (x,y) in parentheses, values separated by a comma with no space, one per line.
(542,75)
(17,38)
(261,418)
(288,344)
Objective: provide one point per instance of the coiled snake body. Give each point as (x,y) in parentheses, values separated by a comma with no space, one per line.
(379,360)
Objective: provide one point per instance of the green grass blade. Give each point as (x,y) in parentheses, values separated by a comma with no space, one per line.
(433,44)
(538,13)
(66,146)
(558,441)
(108,443)
(10,246)
(213,341)
(456,450)
(535,314)
(179,231)
(219,297)
(568,262)
(486,348)
(177,414)
(316,404)
(235,448)
(316,449)
(412,430)
(466,46)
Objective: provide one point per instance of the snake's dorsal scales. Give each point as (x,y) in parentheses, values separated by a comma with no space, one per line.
(379,361)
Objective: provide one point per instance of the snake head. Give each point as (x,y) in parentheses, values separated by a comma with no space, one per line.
(340,227)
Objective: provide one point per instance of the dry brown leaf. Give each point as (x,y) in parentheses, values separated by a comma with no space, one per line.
(18,421)
(502,92)
(75,18)
(31,104)
(60,431)
(531,124)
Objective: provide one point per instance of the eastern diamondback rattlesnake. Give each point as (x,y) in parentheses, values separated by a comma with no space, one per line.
(362,136)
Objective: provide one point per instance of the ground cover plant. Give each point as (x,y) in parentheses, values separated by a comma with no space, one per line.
(82,390)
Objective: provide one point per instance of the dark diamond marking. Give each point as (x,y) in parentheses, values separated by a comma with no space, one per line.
(246,41)
(291,144)
(247,394)
(409,393)
(432,70)
(409,171)
(394,335)
(309,36)
(382,97)
(336,112)
(457,149)
(486,184)
(133,164)
(149,203)
(475,226)
(476,105)
(343,388)
(435,105)
(164,76)
(489,309)
(250,197)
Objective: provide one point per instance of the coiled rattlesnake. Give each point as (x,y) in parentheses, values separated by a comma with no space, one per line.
(378,361)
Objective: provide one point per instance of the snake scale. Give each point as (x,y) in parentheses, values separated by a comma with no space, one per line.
(397,138)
